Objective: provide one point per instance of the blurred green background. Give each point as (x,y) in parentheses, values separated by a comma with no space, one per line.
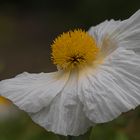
(27,28)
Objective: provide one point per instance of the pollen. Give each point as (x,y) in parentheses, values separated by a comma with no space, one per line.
(74,49)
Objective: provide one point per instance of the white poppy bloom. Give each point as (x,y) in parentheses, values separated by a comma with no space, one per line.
(98,78)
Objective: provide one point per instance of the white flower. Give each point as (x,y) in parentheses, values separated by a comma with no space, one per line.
(97,80)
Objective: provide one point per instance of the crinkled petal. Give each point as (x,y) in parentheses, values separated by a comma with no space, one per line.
(99,32)
(65,114)
(31,92)
(114,87)
(123,32)
(50,99)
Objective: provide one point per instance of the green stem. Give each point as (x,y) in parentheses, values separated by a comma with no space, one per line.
(70,138)
(85,136)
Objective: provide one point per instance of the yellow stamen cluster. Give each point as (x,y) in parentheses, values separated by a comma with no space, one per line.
(73,49)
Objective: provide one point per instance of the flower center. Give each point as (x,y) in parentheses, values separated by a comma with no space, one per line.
(74,49)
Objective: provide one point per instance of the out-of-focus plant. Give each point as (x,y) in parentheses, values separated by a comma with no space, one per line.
(6,109)
(6,106)
(4,101)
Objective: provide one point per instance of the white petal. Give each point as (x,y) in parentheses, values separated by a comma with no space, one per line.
(50,99)
(115,85)
(125,33)
(65,114)
(31,92)
(114,88)
(105,28)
